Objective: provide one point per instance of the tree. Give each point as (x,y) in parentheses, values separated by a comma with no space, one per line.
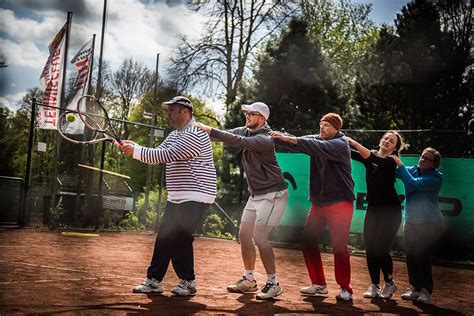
(233,31)
(127,85)
(295,79)
(14,142)
(413,78)
(344,29)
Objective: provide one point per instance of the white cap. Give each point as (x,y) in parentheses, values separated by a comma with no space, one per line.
(178,100)
(259,107)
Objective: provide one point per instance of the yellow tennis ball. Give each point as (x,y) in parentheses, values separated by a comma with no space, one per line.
(71,118)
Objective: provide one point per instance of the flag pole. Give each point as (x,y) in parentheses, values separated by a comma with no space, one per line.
(83,147)
(152,136)
(98,94)
(61,104)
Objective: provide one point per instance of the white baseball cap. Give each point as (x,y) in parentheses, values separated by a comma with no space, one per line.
(259,107)
(179,100)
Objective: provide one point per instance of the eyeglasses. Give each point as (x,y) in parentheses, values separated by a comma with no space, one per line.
(426,158)
(252,114)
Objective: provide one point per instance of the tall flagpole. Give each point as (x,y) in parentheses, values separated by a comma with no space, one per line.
(149,168)
(83,147)
(61,104)
(98,94)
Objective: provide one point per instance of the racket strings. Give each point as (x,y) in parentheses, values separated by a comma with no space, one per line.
(94,114)
(74,129)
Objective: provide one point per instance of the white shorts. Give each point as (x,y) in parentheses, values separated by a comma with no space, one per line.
(265,209)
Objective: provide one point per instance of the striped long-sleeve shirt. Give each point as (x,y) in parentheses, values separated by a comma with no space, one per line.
(190,170)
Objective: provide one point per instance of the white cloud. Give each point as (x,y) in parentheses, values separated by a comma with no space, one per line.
(13,99)
(23,54)
(134,30)
(22,29)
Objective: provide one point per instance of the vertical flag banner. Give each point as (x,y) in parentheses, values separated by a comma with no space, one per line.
(51,81)
(83,66)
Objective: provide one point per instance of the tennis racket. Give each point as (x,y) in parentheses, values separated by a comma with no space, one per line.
(95,117)
(72,129)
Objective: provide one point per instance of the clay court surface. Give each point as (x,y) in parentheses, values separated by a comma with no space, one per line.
(46,272)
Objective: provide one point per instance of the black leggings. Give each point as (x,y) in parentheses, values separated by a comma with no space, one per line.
(419,242)
(380,227)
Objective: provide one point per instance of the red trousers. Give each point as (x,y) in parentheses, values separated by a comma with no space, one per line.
(338,218)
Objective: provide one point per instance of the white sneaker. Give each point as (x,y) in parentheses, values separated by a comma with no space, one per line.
(269,291)
(184,288)
(243,286)
(411,295)
(373,291)
(344,295)
(315,289)
(389,289)
(424,297)
(149,286)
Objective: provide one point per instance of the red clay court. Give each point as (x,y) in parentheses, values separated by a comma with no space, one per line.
(46,272)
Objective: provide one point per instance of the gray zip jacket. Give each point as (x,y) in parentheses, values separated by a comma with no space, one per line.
(258,157)
(330,168)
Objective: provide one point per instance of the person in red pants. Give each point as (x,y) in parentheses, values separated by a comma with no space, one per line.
(331,192)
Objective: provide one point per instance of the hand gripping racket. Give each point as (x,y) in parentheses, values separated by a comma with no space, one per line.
(95,117)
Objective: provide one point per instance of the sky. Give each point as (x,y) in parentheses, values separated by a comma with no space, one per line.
(137,29)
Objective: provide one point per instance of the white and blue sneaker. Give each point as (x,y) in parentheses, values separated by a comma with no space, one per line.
(185,288)
(149,286)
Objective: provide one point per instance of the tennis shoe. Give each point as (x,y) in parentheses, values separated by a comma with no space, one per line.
(269,291)
(185,288)
(314,289)
(389,289)
(424,297)
(411,295)
(243,286)
(344,295)
(149,286)
(373,291)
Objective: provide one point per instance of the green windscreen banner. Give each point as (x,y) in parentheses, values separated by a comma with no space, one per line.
(456,197)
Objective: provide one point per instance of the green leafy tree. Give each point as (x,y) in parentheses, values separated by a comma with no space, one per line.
(344,29)
(413,78)
(295,79)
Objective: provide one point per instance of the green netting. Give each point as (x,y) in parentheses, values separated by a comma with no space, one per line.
(456,196)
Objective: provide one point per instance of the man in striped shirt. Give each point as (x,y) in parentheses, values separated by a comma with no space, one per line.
(191,183)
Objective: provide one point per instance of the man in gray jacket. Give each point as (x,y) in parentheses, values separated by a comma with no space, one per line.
(268,196)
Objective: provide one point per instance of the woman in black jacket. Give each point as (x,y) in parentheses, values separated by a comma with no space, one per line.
(383,216)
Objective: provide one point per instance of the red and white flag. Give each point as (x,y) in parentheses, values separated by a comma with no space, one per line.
(83,67)
(51,81)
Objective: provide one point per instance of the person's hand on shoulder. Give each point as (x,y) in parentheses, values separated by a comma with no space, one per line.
(397,160)
(203,127)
